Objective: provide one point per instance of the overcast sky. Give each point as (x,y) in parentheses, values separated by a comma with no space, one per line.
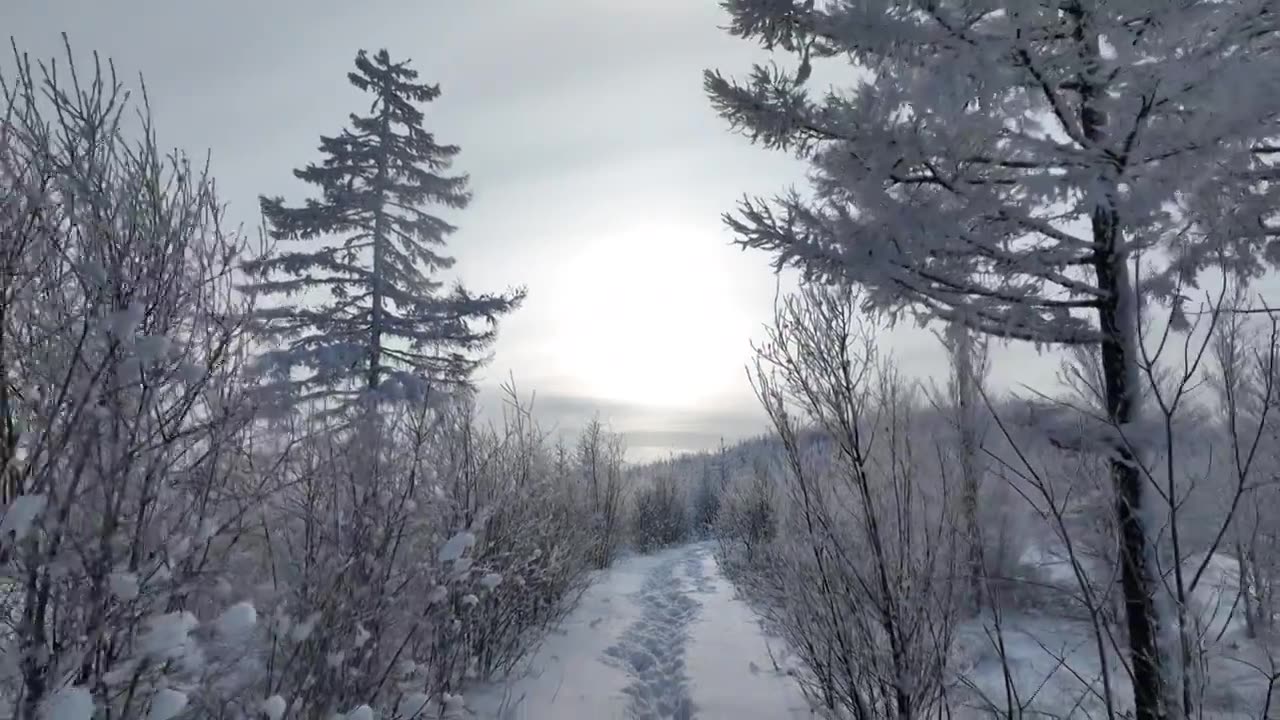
(599,171)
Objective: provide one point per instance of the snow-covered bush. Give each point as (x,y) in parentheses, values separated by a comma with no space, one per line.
(599,465)
(707,495)
(126,427)
(412,556)
(537,541)
(747,519)
(659,512)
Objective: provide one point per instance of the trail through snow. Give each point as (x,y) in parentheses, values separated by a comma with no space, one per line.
(657,637)
(652,649)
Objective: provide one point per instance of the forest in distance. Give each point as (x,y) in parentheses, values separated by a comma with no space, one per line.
(247,474)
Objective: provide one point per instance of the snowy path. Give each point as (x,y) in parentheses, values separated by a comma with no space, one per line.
(656,638)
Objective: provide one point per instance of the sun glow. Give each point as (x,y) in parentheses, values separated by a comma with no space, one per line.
(651,319)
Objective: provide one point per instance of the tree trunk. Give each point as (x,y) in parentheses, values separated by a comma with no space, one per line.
(1117,318)
(1118,323)
(962,350)
(379,239)
(1247,589)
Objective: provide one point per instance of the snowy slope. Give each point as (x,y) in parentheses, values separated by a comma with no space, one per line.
(657,637)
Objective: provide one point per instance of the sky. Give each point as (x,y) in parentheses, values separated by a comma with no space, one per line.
(599,170)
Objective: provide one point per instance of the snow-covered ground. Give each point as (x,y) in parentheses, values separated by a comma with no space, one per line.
(655,637)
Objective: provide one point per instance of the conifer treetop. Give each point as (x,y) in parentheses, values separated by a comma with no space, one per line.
(362,307)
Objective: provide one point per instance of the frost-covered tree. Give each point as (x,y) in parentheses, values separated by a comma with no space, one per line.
(1039,171)
(362,307)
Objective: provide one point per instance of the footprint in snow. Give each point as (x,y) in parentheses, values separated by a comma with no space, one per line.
(651,651)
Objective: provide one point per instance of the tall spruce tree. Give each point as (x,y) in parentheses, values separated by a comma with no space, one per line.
(359,310)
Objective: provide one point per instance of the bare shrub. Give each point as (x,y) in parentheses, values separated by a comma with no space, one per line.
(600,465)
(859,579)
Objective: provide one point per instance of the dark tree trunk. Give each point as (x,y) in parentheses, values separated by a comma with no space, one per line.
(1117,321)
(379,240)
(1136,578)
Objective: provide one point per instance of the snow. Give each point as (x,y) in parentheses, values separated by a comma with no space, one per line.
(166,703)
(237,620)
(1052,563)
(123,585)
(652,650)
(412,705)
(120,673)
(303,630)
(93,272)
(363,712)
(151,348)
(177,546)
(21,514)
(566,678)
(1053,658)
(1052,661)
(191,374)
(68,703)
(1215,599)
(456,546)
(167,636)
(491,581)
(208,528)
(274,707)
(1106,50)
(738,672)
(658,636)
(122,323)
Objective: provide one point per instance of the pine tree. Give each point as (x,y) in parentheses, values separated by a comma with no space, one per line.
(1038,171)
(359,308)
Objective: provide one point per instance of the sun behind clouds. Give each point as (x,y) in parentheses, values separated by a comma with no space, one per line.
(650,317)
